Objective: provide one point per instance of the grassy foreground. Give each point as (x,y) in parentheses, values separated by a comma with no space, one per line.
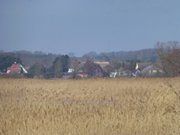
(90,107)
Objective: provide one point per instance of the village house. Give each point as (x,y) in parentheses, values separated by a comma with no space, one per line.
(16,69)
(152,70)
(148,70)
(121,73)
(141,69)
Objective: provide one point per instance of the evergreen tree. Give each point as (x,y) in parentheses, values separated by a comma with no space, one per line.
(60,65)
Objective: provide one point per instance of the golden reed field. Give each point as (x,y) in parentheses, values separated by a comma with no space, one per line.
(90,107)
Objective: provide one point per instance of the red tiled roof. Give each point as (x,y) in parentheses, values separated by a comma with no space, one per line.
(15,68)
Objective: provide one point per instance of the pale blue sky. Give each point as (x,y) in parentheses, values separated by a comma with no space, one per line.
(80,26)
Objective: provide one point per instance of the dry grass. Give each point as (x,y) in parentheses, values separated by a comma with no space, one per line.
(90,107)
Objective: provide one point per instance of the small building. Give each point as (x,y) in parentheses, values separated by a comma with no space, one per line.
(70,70)
(121,73)
(152,70)
(113,74)
(14,69)
(148,70)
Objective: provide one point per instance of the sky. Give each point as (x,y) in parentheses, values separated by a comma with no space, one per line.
(81,26)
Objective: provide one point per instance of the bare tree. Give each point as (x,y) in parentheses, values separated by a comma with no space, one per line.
(92,69)
(169,55)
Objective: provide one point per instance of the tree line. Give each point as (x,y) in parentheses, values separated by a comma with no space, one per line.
(59,66)
(168,58)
